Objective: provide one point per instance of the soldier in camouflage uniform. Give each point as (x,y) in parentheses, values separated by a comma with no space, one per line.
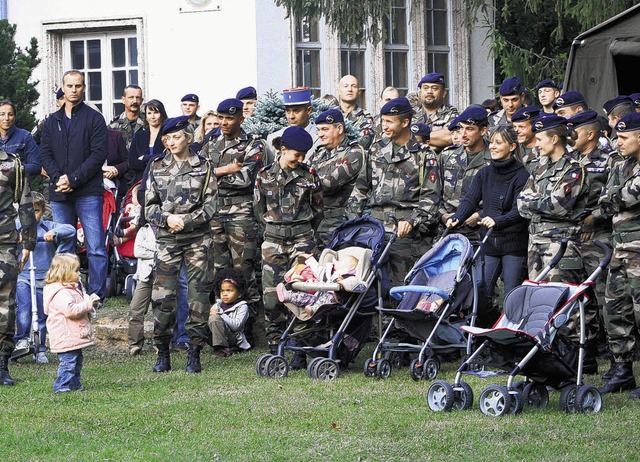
(547,91)
(131,121)
(236,158)
(512,98)
(458,167)
(622,298)
(433,111)
(337,162)
(390,185)
(348,93)
(181,199)
(14,189)
(288,203)
(190,103)
(522,121)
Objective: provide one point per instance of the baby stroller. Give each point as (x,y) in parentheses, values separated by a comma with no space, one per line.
(441,295)
(529,339)
(352,313)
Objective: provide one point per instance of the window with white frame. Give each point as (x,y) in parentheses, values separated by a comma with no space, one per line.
(308,48)
(396,47)
(437,35)
(109,62)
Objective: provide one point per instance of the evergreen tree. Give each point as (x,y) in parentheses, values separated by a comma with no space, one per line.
(16,68)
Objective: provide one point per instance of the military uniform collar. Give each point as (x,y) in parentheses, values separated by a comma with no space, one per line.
(193,160)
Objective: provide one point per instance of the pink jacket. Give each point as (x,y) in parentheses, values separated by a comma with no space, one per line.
(68,324)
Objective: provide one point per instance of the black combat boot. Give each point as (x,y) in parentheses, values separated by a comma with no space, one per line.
(5,378)
(193,359)
(607,375)
(635,394)
(621,380)
(298,362)
(163,363)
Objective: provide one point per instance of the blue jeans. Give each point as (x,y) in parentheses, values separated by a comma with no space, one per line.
(89,210)
(23,313)
(69,371)
(513,269)
(182,313)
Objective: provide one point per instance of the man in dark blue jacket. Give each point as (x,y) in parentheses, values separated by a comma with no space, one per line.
(74,147)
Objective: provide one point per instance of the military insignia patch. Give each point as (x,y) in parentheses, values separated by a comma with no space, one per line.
(567,189)
(433,177)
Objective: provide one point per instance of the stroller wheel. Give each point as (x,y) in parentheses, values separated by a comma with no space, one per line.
(261,363)
(517,403)
(535,395)
(326,369)
(440,396)
(568,398)
(495,401)
(431,368)
(311,368)
(276,367)
(416,369)
(462,397)
(519,385)
(383,369)
(396,359)
(588,399)
(370,368)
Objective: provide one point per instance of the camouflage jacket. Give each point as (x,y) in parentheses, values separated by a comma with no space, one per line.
(390,183)
(235,191)
(498,118)
(554,198)
(288,198)
(621,199)
(14,189)
(363,121)
(338,170)
(438,120)
(181,188)
(528,157)
(598,165)
(127,128)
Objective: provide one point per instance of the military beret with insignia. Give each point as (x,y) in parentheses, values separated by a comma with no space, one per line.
(570,98)
(635,97)
(583,118)
(297,138)
(548,122)
(433,77)
(175,124)
(59,93)
(421,129)
(511,86)
(629,123)
(295,96)
(455,124)
(473,115)
(396,106)
(525,113)
(230,106)
(191,97)
(615,102)
(331,116)
(247,93)
(548,83)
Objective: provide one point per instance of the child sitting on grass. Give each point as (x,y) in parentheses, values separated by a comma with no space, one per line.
(68,323)
(229,314)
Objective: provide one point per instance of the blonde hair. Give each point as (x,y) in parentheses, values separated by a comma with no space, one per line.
(64,269)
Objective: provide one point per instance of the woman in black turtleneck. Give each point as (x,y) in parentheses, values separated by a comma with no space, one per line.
(497,186)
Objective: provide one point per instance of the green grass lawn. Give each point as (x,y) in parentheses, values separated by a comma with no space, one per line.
(228,413)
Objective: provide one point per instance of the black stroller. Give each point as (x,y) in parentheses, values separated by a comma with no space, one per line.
(529,339)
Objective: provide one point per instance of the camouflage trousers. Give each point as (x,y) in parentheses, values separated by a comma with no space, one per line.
(278,256)
(622,302)
(325,230)
(570,269)
(195,252)
(8,279)
(403,254)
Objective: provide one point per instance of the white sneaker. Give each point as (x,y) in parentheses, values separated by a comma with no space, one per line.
(41,358)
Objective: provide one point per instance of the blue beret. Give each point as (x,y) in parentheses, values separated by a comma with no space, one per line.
(473,115)
(455,124)
(175,124)
(396,106)
(547,83)
(59,93)
(615,102)
(331,116)
(629,123)
(636,98)
(583,118)
(433,77)
(525,113)
(548,122)
(298,95)
(191,97)
(247,93)
(230,106)
(421,129)
(297,138)
(570,98)
(511,86)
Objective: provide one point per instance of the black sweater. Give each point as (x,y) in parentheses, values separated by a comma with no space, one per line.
(497,185)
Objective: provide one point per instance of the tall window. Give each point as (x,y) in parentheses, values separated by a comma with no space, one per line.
(352,62)
(396,47)
(437,32)
(308,48)
(109,62)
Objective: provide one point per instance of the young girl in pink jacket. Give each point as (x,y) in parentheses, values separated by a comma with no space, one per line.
(68,323)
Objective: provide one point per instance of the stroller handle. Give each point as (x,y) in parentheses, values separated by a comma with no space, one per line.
(608,252)
(558,256)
